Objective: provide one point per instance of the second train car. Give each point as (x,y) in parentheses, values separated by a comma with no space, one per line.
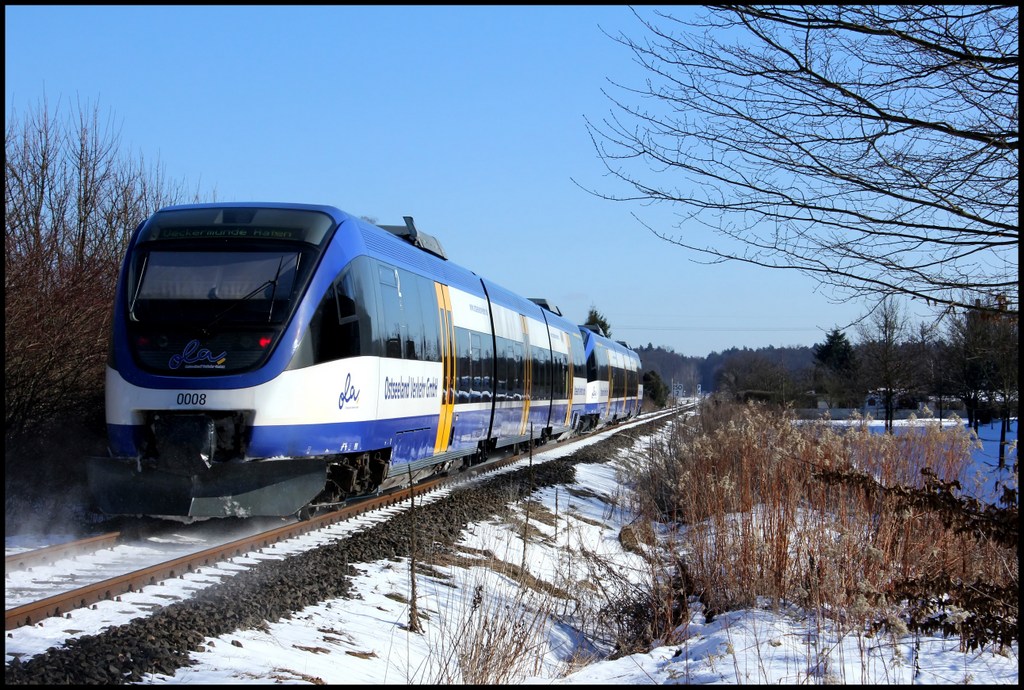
(267,358)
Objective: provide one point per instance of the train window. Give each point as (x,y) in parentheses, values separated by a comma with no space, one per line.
(463,365)
(501,371)
(559,376)
(598,365)
(579,356)
(355,292)
(487,367)
(325,329)
(409,325)
(419,320)
(409,294)
(510,372)
(518,375)
(339,327)
(228,287)
(431,348)
(541,373)
(476,385)
(393,327)
(348,331)
(476,364)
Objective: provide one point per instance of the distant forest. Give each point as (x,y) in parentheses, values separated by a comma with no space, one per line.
(689,371)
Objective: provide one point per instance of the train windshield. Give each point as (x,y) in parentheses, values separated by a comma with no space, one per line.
(220,266)
(215,287)
(211,288)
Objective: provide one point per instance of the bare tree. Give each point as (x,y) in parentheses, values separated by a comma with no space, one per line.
(749,375)
(873,148)
(982,360)
(71,201)
(1004,388)
(929,375)
(966,361)
(886,366)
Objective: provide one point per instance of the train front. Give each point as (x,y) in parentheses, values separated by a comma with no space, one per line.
(204,322)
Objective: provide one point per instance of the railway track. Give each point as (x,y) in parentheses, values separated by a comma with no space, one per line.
(312,588)
(112,588)
(51,554)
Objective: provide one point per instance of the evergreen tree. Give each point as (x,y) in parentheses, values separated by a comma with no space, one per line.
(655,388)
(596,317)
(836,353)
(834,368)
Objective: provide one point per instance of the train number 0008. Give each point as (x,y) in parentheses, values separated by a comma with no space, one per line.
(191,398)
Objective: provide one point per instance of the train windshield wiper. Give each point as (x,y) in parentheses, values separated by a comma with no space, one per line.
(259,288)
(138,288)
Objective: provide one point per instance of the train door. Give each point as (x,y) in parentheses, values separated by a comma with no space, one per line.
(609,378)
(616,386)
(561,381)
(565,379)
(527,369)
(510,371)
(444,422)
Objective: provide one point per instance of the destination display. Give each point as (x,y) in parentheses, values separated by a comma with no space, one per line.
(228,232)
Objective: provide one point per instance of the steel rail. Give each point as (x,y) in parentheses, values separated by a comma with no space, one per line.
(50,554)
(113,588)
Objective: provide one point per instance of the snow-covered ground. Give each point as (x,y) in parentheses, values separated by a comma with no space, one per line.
(465,606)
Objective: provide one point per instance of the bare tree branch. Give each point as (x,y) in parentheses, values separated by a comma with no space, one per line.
(71,202)
(873,148)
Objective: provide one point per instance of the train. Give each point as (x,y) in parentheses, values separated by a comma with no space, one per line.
(270,359)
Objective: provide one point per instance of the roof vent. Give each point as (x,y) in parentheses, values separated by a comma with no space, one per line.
(543,303)
(410,234)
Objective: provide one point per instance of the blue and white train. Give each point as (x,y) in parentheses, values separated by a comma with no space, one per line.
(269,358)
(614,388)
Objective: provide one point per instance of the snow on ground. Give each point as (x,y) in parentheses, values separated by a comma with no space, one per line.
(465,606)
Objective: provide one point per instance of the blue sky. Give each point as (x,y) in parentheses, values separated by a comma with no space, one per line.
(469,119)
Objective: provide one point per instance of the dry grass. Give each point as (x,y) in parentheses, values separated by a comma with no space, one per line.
(843,523)
(499,635)
(740,506)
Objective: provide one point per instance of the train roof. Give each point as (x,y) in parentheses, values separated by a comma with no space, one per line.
(410,234)
(430,259)
(543,303)
(592,333)
(332,211)
(407,232)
